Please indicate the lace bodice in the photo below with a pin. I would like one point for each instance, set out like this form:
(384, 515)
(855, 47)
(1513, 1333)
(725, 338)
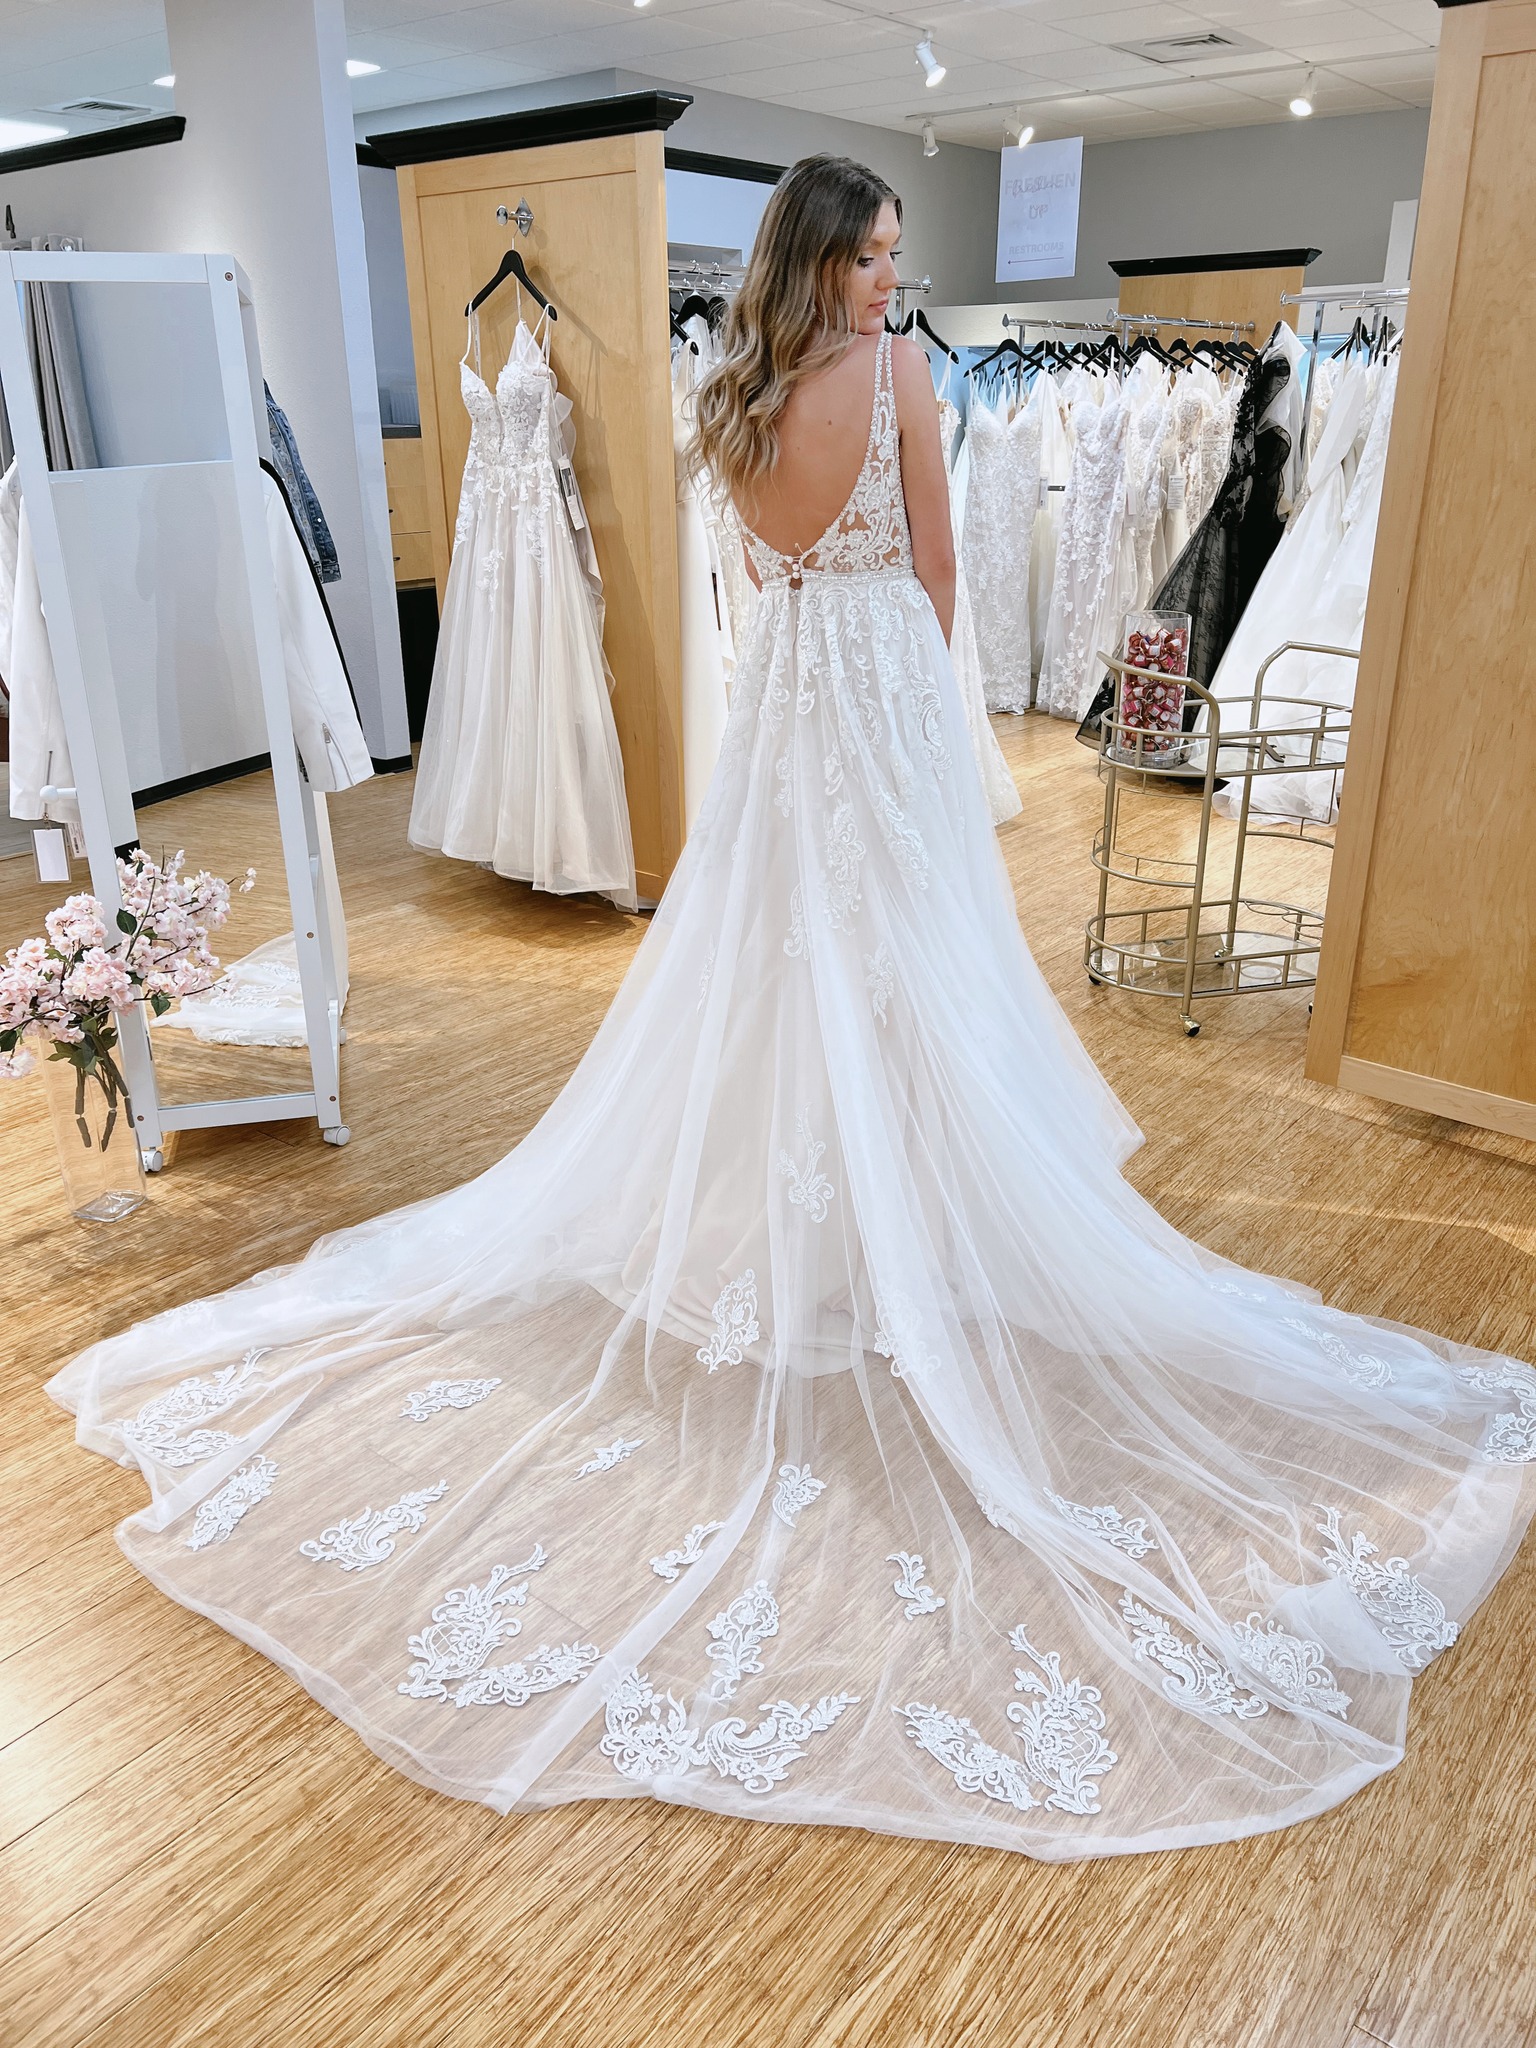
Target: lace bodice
(870, 535)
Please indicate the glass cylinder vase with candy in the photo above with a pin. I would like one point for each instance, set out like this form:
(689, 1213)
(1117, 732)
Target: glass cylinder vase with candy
(1153, 712)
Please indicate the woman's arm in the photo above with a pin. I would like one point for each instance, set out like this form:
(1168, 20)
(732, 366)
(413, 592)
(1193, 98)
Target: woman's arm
(924, 482)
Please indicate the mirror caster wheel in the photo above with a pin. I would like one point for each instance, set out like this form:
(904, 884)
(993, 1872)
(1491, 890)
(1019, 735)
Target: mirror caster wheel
(337, 1135)
(1191, 1028)
(154, 1159)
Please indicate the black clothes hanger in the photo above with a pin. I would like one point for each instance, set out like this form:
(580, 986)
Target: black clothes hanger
(512, 265)
(920, 318)
(694, 306)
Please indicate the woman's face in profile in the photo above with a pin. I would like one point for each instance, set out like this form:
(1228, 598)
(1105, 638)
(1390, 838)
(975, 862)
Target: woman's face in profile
(873, 277)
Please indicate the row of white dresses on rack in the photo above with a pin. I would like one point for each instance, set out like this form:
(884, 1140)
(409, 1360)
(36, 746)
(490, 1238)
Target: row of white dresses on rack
(520, 769)
(1314, 588)
(1079, 499)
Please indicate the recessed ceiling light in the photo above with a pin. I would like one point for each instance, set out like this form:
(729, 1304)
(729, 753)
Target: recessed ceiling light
(930, 140)
(167, 82)
(1301, 106)
(22, 134)
(642, 3)
(359, 67)
(933, 70)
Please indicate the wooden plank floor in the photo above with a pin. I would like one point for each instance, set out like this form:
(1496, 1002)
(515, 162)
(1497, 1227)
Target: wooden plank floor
(192, 1852)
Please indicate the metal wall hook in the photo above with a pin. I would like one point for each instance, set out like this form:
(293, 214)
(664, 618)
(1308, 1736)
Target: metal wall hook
(519, 216)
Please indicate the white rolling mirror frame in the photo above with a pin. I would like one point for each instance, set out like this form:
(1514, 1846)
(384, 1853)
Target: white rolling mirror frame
(89, 700)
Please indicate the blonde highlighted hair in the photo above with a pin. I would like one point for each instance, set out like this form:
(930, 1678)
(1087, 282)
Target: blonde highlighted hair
(790, 318)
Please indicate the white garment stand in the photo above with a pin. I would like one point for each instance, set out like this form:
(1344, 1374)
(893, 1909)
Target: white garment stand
(88, 698)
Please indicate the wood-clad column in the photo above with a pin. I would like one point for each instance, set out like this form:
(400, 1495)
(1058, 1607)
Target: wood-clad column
(598, 247)
(1427, 990)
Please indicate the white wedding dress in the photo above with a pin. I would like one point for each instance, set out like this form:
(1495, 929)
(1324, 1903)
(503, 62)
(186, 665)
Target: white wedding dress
(807, 1420)
(1003, 800)
(1000, 504)
(520, 767)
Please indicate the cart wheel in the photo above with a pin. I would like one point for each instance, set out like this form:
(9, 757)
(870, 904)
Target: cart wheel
(337, 1135)
(1191, 1028)
(154, 1160)
(1097, 979)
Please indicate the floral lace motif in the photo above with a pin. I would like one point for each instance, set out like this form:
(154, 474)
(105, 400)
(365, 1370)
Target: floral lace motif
(649, 1738)
(909, 1586)
(1412, 1619)
(795, 1491)
(845, 861)
(1511, 1440)
(996, 543)
(440, 1394)
(358, 1541)
(903, 843)
(809, 1188)
(1363, 1367)
(1195, 1678)
(870, 534)
(1107, 1523)
(1060, 1729)
(739, 1632)
(1295, 1666)
(797, 945)
(471, 1622)
(604, 1459)
(670, 1564)
(880, 980)
(736, 1327)
(168, 1430)
(222, 1512)
(898, 1337)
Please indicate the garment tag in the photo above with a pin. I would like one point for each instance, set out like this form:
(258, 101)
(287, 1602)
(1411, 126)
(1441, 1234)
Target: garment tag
(1045, 492)
(50, 849)
(572, 496)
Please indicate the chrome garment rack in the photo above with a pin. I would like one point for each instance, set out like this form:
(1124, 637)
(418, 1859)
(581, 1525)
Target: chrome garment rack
(1060, 326)
(1130, 320)
(1349, 298)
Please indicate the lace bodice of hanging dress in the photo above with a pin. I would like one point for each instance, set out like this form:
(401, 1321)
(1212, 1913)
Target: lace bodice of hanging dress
(1002, 796)
(807, 1420)
(520, 767)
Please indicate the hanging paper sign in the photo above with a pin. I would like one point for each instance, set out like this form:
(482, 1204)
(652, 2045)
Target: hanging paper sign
(1037, 210)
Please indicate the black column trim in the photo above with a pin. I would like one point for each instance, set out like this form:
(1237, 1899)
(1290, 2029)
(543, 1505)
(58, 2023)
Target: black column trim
(1235, 259)
(741, 167)
(625, 113)
(100, 142)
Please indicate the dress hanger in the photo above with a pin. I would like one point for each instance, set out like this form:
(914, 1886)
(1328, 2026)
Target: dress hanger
(512, 265)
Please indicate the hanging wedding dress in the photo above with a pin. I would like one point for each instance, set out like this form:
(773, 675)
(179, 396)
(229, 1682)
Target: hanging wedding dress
(1095, 561)
(1000, 502)
(807, 1420)
(520, 767)
(1003, 800)
(1055, 469)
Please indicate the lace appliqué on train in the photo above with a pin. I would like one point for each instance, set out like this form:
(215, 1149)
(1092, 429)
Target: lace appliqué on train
(809, 1188)
(169, 1429)
(1108, 1524)
(358, 1542)
(221, 1513)
(471, 1622)
(1060, 1731)
(910, 1586)
(649, 1738)
(795, 1491)
(1295, 1666)
(735, 1315)
(437, 1395)
(609, 1455)
(1412, 1619)
(738, 1632)
(1511, 1439)
(689, 1551)
(1194, 1677)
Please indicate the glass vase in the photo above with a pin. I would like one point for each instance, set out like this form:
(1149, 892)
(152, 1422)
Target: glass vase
(97, 1142)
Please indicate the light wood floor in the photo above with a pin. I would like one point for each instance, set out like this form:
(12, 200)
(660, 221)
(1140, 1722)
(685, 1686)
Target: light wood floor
(195, 1853)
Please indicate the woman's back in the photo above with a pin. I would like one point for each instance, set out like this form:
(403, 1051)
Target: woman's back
(824, 434)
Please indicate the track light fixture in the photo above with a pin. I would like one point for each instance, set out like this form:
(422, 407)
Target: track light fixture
(1016, 133)
(930, 140)
(933, 70)
(1301, 106)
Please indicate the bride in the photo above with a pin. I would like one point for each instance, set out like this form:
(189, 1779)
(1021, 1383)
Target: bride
(807, 1420)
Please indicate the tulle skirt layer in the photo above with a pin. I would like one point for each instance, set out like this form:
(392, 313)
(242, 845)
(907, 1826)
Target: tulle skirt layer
(807, 1421)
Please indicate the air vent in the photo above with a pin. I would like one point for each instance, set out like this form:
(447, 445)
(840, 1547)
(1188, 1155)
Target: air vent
(100, 107)
(1199, 47)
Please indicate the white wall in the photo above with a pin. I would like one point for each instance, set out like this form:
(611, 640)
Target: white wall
(267, 171)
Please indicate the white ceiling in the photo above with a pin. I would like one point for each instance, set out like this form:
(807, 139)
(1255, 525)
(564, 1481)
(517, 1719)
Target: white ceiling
(1055, 60)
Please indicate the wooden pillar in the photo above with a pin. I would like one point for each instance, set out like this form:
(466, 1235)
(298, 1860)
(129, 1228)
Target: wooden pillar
(594, 177)
(1241, 287)
(1427, 989)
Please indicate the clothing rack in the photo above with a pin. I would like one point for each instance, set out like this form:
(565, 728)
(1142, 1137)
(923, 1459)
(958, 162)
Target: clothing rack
(1348, 298)
(905, 285)
(1130, 320)
(1059, 326)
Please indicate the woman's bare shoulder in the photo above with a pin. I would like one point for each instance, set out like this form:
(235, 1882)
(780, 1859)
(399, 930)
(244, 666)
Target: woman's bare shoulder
(912, 377)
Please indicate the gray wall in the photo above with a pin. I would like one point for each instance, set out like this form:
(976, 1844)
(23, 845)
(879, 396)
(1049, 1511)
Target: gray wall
(1315, 184)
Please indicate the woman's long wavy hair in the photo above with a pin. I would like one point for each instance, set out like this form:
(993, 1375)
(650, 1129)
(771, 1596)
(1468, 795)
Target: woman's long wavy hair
(790, 318)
